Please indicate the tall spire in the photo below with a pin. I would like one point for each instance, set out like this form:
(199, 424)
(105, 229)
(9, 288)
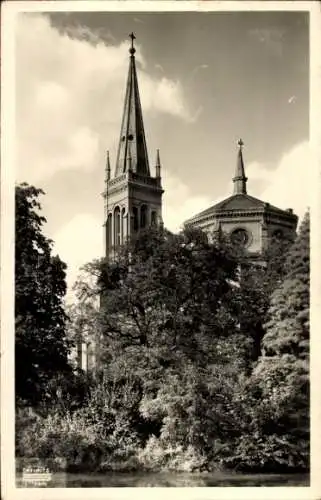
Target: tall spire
(132, 128)
(240, 179)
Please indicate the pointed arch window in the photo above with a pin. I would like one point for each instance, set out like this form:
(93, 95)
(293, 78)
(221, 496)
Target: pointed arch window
(143, 216)
(117, 226)
(135, 218)
(154, 218)
(123, 225)
(109, 231)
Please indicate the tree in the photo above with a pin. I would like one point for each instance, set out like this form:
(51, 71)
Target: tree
(167, 319)
(286, 343)
(279, 393)
(173, 292)
(41, 347)
(256, 287)
(288, 323)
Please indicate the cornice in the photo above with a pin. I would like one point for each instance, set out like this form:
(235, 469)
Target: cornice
(232, 214)
(266, 213)
(146, 187)
(132, 180)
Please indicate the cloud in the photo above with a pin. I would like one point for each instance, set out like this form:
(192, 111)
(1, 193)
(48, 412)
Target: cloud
(265, 35)
(69, 92)
(271, 38)
(291, 184)
(195, 72)
(160, 67)
(165, 96)
(92, 35)
(179, 203)
(78, 242)
(200, 66)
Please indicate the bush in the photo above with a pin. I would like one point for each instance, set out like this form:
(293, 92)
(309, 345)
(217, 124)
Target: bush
(68, 437)
(269, 453)
(83, 444)
(160, 455)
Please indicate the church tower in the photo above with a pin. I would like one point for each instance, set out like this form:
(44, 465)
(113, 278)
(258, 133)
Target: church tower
(133, 197)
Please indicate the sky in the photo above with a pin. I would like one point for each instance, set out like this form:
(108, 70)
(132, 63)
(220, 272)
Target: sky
(206, 79)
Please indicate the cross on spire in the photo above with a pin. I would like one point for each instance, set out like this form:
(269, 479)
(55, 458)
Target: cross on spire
(240, 143)
(132, 49)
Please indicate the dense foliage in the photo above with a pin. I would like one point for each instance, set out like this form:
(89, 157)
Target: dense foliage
(41, 343)
(203, 360)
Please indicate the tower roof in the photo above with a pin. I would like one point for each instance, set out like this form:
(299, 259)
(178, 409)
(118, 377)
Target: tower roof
(132, 142)
(239, 178)
(238, 204)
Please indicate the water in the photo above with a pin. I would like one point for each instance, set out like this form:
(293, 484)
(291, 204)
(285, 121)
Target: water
(168, 479)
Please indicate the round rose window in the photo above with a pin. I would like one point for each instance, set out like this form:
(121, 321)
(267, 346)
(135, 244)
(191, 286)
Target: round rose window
(240, 237)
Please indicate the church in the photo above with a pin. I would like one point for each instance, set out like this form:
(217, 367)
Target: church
(250, 222)
(133, 196)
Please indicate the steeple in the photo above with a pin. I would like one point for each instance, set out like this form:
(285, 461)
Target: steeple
(132, 134)
(133, 198)
(240, 179)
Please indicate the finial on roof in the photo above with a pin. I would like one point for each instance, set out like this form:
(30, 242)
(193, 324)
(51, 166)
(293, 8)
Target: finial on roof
(158, 164)
(240, 179)
(132, 49)
(107, 167)
(129, 158)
